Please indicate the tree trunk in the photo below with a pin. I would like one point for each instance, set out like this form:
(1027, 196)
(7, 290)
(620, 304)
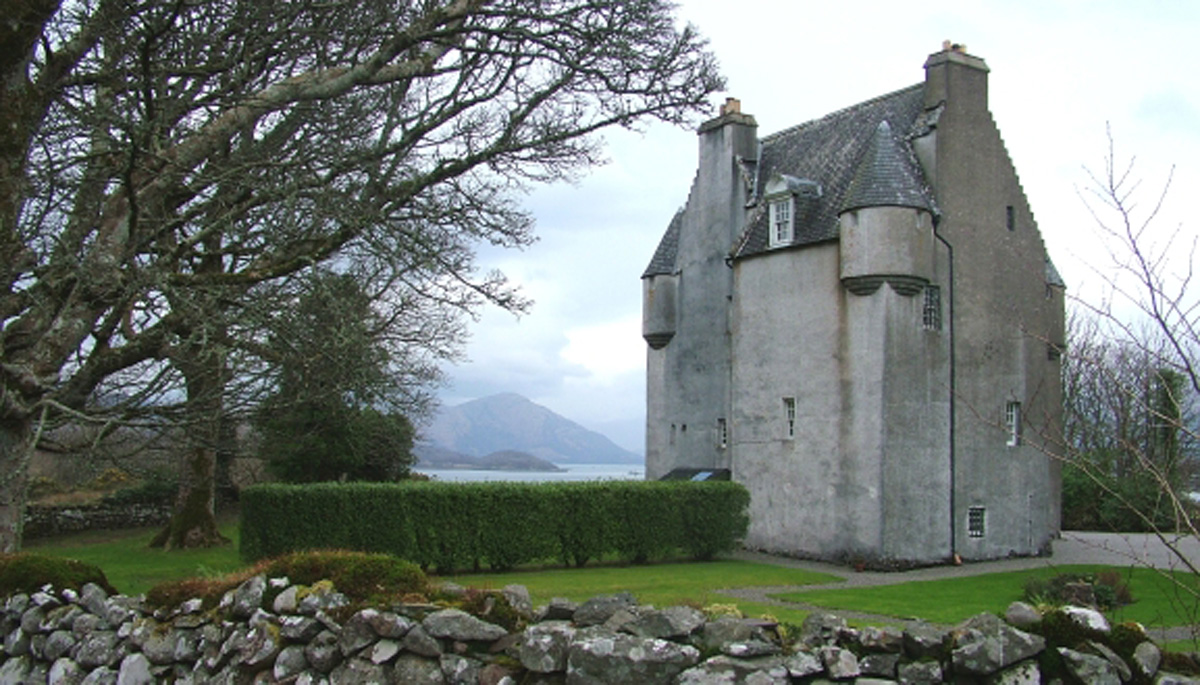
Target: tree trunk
(193, 522)
(14, 477)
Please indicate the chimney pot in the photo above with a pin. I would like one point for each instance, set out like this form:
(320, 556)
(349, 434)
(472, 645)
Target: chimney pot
(731, 106)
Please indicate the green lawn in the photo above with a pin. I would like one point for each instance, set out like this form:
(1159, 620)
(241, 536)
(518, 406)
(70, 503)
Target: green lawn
(952, 600)
(132, 566)
(662, 585)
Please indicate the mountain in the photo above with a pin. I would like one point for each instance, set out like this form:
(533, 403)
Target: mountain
(509, 421)
(432, 456)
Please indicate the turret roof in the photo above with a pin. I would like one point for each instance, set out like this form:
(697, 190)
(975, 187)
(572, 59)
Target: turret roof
(886, 176)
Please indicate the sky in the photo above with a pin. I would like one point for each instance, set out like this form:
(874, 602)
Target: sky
(1063, 74)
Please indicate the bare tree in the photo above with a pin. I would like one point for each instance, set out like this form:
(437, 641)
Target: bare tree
(160, 161)
(1132, 370)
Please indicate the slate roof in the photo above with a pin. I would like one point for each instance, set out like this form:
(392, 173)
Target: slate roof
(663, 261)
(859, 157)
(832, 151)
(886, 177)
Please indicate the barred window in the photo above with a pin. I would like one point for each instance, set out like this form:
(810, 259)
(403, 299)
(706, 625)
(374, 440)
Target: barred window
(1012, 421)
(722, 434)
(976, 518)
(931, 314)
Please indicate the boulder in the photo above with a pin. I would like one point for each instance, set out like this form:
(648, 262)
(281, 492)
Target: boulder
(246, 598)
(291, 662)
(599, 609)
(1022, 615)
(559, 609)
(455, 624)
(919, 673)
(803, 664)
(840, 664)
(419, 642)
(985, 644)
(1094, 670)
(544, 646)
(887, 639)
(519, 599)
(723, 669)
(1147, 657)
(671, 623)
(602, 656)
(923, 641)
(415, 670)
(1023, 673)
(821, 629)
(459, 670)
(358, 671)
(135, 670)
(1087, 618)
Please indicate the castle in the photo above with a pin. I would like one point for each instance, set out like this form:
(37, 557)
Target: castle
(856, 318)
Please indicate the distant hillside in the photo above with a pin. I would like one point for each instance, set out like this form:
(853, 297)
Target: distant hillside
(511, 422)
(432, 456)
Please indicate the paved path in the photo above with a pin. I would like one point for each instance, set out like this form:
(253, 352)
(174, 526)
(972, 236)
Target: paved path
(1071, 548)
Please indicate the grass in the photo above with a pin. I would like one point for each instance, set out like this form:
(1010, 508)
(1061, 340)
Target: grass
(132, 566)
(694, 584)
(952, 600)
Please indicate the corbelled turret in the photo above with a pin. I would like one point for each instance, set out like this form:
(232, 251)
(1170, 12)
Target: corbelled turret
(886, 221)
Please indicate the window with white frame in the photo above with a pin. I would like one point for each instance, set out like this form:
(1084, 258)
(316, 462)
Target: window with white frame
(976, 520)
(931, 313)
(1012, 423)
(781, 221)
(789, 415)
(722, 434)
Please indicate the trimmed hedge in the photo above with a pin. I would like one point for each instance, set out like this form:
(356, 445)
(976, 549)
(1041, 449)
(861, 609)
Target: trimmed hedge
(456, 526)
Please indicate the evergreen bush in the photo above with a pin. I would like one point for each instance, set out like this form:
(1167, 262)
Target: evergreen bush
(459, 526)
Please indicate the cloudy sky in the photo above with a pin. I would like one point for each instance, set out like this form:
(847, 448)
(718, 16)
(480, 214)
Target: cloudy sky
(1061, 72)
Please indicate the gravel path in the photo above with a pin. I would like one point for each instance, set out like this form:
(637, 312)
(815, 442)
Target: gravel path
(1071, 548)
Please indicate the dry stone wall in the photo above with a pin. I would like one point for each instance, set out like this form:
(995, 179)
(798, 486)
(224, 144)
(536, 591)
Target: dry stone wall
(45, 521)
(310, 635)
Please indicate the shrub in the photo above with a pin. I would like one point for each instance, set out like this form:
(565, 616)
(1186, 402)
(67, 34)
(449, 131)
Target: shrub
(29, 572)
(455, 526)
(153, 491)
(364, 578)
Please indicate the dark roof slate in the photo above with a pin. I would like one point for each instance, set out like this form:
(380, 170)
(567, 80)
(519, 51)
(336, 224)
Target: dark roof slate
(829, 151)
(885, 177)
(663, 261)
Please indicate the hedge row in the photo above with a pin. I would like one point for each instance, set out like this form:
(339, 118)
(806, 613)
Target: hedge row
(455, 526)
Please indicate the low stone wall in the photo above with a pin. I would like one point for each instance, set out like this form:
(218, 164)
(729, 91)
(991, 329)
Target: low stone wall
(87, 637)
(44, 521)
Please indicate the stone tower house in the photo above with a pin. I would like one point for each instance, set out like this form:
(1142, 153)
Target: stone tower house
(857, 318)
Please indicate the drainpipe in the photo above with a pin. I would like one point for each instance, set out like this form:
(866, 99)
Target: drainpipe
(953, 388)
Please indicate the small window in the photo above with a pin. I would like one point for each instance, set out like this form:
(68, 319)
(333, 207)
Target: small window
(722, 434)
(781, 221)
(672, 434)
(1012, 422)
(1010, 219)
(789, 415)
(976, 519)
(1054, 352)
(931, 314)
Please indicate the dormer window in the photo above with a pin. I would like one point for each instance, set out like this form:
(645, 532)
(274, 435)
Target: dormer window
(788, 198)
(781, 221)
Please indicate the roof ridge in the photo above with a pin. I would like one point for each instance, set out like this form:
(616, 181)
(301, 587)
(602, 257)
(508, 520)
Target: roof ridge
(841, 112)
